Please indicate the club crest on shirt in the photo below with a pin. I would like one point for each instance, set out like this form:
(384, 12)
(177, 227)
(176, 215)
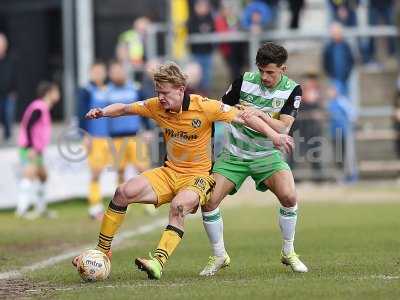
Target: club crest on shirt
(196, 123)
(277, 103)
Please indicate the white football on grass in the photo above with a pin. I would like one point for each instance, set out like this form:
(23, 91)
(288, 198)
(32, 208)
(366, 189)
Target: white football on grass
(94, 265)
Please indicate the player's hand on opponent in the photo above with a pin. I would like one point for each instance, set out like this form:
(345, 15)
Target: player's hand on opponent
(249, 112)
(283, 142)
(95, 113)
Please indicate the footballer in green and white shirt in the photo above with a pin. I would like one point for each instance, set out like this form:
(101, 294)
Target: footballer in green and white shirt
(275, 98)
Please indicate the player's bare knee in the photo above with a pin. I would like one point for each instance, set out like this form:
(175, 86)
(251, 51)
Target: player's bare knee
(288, 199)
(174, 214)
(209, 206)
(120, 198)
(174, 208)
(180, 211)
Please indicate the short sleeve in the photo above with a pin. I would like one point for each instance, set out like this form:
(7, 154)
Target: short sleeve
(232, 95)
(145, 108)
(293, 103)
(217, 111)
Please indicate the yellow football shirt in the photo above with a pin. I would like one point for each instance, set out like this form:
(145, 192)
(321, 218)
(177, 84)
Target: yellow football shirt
(187, 134)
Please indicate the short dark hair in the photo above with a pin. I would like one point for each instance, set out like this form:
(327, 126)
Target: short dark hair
(99, 62)
(44, 87)
(271, 53)
(115, 62)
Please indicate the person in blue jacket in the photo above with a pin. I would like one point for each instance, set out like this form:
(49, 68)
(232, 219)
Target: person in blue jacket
(94, 94)
(127, 148)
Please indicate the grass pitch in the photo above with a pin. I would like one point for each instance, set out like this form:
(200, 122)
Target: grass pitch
(350, 243)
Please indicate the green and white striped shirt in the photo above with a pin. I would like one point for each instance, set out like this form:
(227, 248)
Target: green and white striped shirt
(248, 90)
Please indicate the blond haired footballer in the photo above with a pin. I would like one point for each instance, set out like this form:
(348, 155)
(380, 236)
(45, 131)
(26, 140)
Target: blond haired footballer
(184, 181)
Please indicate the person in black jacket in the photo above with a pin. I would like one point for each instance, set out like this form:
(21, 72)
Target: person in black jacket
(295, 6)
(7, 88)
(396, 118)
(344, 11)
(202, 22)
(380, 12)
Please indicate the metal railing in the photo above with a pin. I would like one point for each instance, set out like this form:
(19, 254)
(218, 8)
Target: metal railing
(255, 40)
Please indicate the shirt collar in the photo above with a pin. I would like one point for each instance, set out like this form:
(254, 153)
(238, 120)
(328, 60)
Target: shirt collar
(185, 104)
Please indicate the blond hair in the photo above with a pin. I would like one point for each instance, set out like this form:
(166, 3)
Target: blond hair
(171, 73)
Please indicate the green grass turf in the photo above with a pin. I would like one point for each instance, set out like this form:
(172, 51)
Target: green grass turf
(27, 241)
(352, 251)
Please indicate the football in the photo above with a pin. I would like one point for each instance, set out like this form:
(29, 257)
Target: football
(94, 265)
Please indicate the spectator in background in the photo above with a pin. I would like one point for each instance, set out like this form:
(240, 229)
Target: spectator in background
(202, 22)
(94, 94)
(131, 47)
(309, 124)
(396, 116)
(128, 148)
(233, 53)
(344, 11)
(7, 88)
(380, 12)
(397, 20)
(274, 7)
(213, 3)
(194, 74)
(338, 60)
(147, 91)
(295, 6)
(34, 137)
(256, 16)
(342, 117)
(147, 84)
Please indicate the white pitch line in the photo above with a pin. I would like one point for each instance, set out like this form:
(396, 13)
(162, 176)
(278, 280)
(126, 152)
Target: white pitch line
(59, 258)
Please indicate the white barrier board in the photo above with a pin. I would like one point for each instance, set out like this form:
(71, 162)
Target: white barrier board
(67, 178)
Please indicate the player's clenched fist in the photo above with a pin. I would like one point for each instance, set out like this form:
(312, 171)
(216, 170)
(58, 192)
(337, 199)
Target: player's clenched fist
(95, 113)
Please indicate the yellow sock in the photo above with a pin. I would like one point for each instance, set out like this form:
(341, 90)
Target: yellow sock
(112, 220)
(94, 193)
(170, 239)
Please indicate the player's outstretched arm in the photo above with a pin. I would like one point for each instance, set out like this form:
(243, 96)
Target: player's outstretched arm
(281, 141)
(112, 111)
